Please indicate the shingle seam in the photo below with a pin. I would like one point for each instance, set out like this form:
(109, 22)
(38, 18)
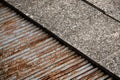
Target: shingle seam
(99, 9)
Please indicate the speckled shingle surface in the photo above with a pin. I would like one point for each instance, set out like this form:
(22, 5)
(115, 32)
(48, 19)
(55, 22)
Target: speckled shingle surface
(84, 27)
(111, 7)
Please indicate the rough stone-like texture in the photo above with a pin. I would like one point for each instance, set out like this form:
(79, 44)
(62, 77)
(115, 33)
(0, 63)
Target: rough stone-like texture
(84, 27)
(111, 7)
(112, 62)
